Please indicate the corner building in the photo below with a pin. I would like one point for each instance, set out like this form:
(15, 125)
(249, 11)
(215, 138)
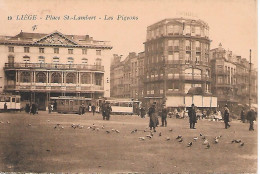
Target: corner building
(176, 60)
(39, 66)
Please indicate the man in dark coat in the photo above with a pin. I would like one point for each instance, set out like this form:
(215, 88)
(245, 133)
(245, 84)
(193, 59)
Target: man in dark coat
(5, 107)
(142, 111)
(103, 110)
(243, 117)
(226, 117)
(251, 118)
(192, 116)
(153, 117)
(93, 108)
(164, 115)
(33, 109)
(108, 111)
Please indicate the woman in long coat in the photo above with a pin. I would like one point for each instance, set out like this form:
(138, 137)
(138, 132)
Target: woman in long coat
(153, 117)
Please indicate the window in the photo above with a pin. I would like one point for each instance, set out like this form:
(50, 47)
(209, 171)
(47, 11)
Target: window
(187, 57)
(41, 59)
(70, 51)
(26, 59)
(176, 44)
(187, 44)
(41, 50)
(187, 30)
(98, 79)
(98, 52)
(11, 49)
(84, 51)
(84, 61)
(56, 77)
(220, 79)
(41, 77)
(86, 78)
(98, 61)
(71, 78)
(176, 56)
(197, 31)
(170, 29)
(26, 49)
(170, 42)
(198, 58)
(197, 46)
(56, 60)
(10, 59)
(70, 60)
(176, 29)
(25, 77)
(56, 50)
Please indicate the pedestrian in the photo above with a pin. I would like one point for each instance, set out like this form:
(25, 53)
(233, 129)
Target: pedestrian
(93, 108)
(153, 117)
(226, 117)
(80, 110)
(83, 109)
(164, 116)
(5, 107)
(142, 111)
(49, 108)
(243, 117)
(103, 110)
(108, 111)
(192, 116)
(33, 109)
(251, 117)
(27, 108)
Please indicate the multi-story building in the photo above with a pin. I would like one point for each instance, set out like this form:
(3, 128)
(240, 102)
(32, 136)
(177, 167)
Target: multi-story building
(176, 60)
(126, 76)
(230, 77)
(38, 66)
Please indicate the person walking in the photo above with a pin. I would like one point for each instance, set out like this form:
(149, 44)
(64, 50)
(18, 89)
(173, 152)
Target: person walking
(164, 116)
(153, 117)
(49, 108)
(93, 109)
(142, 111)
(251, 118)
(243, 117)
(5, 107)
(108, 111)
(33, 109)
(226, 117)
(192, 117)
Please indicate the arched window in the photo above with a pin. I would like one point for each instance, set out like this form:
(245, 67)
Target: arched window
(70, 78)
(56, 77)
(41, 59)
(25, 77)
(85, 78)
(10, 59)
(84, 61)
(40, 77)
(56, 60)
(70, 60)
(26, 59)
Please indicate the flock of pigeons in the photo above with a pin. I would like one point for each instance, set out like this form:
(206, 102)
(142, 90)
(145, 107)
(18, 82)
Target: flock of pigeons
(179, 138)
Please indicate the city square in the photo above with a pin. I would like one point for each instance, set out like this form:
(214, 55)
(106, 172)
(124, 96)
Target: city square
(35, 143)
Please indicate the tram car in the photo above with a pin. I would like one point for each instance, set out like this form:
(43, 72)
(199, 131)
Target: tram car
(70, 104)
(13, 102)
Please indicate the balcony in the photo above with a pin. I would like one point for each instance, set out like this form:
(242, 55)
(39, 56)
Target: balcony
(52, 66)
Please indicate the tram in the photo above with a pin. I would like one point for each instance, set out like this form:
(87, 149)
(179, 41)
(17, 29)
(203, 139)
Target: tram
(69, 104)
(12, 102)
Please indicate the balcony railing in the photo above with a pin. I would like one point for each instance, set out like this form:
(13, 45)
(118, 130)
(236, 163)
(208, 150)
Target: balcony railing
(53, 66)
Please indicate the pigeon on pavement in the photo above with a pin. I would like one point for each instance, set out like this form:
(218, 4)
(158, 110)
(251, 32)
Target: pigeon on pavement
(190, 144)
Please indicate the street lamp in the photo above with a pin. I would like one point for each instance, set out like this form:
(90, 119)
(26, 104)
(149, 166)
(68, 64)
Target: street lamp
(164, 79)
(250, 66)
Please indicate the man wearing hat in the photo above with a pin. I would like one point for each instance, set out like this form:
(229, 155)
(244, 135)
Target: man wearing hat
(153, 117)
(251, 118)
(192, 116)
(226, 117)
(164, 115)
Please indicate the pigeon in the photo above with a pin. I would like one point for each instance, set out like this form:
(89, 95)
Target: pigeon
(48, 120)
(238, 141)
(160, 134)
(48, 150)
(170, 130)
(195, 138)
(97, 129)
(112, 130)
(205, 142)
(62, 127)
(1, 122)
(208, 146)
(168, 138)
(81, 127)
(233, 141)
(117, 131)
(144, 130)
(180, 140)
(242, 144)
(89, 127)
(200, 134)
(103, 127)
(216, 141)
(134, 131)
(55, 127)
(179, 136)
(29, 125)
(149, 136)
(141, 138)
(190, 144)
(8, 122)
(107, 131)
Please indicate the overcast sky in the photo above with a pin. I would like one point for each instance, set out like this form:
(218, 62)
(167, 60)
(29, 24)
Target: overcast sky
(231, 22)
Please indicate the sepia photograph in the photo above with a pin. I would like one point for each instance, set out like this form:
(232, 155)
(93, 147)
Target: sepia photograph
(129, 86)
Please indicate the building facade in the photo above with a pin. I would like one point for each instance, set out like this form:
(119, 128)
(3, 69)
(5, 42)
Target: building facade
(127, 76)
(176, 59)
(39, 66)
(230, 78)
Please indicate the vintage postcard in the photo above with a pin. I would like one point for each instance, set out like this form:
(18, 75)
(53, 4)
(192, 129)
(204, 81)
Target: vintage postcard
(129, 86)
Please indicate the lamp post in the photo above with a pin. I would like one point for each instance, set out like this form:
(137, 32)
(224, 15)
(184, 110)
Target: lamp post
(164, 79)
(250, 66)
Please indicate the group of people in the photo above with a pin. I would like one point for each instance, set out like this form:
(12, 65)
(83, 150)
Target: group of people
(33, 109)
(83, 109)
(106, 111)
(154, 122)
